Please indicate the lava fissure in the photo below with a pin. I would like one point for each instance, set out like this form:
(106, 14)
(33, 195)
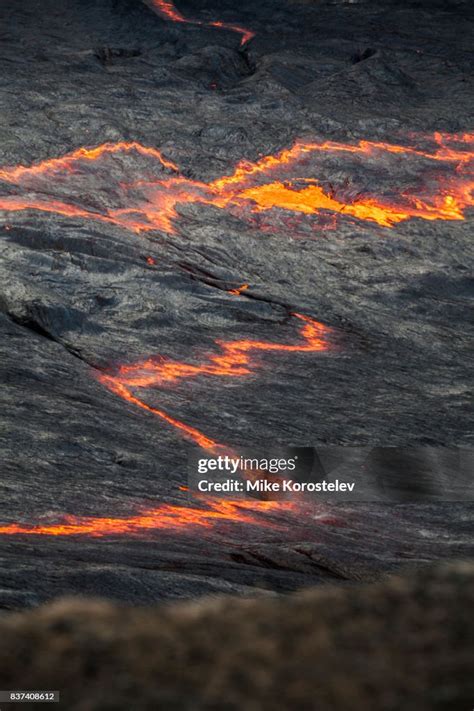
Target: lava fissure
(169, 11)
(236, 359)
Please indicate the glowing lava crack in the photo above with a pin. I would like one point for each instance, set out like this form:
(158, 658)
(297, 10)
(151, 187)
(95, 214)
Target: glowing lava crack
(286, 182)
(162, 517)
(235, 360)
(170, 12)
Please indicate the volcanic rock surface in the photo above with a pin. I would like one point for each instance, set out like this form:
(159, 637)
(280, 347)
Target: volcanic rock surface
(142, 252)
(405, 643)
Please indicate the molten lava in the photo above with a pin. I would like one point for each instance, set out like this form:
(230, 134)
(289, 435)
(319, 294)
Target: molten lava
(163, 517)
(69, 162)
(170, 12)
(285, 181)
(236, 359)
(239, 290)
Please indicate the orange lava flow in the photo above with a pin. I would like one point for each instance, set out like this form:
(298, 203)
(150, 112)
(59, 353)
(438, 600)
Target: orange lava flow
(301, 150)
(311, 199)
(69, 161)
(191, 433)
(239, 290)
(236, 359)
(163, 517)
(449, 203)
(285, 181)
(168, 10)
(42, 204)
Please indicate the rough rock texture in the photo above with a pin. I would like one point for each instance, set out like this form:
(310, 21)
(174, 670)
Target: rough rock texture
(78, 295)
(402, 644)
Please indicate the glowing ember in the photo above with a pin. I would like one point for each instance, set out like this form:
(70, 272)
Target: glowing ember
(236, 359)
(168, 10)
(285, 181)
(163, 517)
(240, 290)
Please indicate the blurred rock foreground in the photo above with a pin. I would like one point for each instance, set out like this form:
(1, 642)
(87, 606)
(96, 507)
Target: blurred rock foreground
(405, 643)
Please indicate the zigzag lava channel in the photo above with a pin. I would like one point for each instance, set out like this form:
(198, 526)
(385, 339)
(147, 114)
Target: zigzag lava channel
(444, 192)
(168, 10)
(236, 359)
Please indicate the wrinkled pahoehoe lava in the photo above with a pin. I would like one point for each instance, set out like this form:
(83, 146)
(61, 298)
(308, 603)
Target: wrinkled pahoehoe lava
(226, 225)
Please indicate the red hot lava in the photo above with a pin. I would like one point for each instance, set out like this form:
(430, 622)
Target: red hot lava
(235, 360)
(168, 10)
(260, 187)
(238, 290)
(285, 181)
(165, 517)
